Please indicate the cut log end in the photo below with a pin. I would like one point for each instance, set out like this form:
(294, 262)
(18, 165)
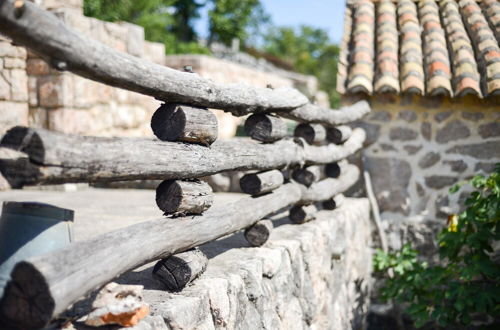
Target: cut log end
(179, 270)
(184, 197)
(332, 170)
(259, 233)
(265, 128)
(261, 183)
(27, 302)
(308, 175)
(302, 214)
(173, 122)
(338, 135)
(312, 133)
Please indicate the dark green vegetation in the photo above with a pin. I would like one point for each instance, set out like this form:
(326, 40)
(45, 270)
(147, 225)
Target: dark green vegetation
(304, 49)
(465, 285)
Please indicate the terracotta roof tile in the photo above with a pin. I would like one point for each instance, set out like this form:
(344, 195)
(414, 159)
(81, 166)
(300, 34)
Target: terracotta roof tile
(428, 47)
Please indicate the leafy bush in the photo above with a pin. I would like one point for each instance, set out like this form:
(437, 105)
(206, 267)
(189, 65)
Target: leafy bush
(466, 282)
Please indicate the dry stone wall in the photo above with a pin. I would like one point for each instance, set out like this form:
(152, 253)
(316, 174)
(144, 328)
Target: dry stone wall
(417, 148)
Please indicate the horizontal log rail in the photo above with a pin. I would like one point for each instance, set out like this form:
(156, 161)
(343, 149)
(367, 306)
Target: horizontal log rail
(49, 157)
(60, 278)
(66, 49)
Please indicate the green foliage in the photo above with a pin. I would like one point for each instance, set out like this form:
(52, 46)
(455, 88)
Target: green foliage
(231, 19)
(166, 21)
(310, 51)
(467, 280)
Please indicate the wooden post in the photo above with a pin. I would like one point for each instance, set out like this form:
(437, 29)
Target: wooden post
(259, 233)
(308, 175)
(265, 128)
(177, 271)
(302, 214)
(312, 133)
(174, 122)
(261, 183)
(332, 170)
(181, 197)
(43, 287)
(339, 134)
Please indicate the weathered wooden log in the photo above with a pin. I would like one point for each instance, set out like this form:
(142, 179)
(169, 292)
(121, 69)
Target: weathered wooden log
(218, 182)
(177, 271)
(339, 134)
(327, 188)
(44, 286)
(333, 203)
(265, 128)
(174, 122)
(308, 175)
(312, 133)
(51, 157)
(313, 114)
(302, 213)
(180, 197)
(261, 183)
(259, 233)
(332, 170)
(59, 44)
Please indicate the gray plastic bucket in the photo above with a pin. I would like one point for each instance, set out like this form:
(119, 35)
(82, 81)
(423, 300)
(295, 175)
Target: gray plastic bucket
(29, 229)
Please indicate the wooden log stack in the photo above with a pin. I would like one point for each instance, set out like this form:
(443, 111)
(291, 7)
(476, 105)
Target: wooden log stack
(185, 150)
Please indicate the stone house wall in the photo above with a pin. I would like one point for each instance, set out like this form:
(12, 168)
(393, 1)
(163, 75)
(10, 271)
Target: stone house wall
(417, 148)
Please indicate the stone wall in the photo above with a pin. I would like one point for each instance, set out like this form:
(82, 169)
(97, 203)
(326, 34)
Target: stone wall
(418, 148)
(310, 276)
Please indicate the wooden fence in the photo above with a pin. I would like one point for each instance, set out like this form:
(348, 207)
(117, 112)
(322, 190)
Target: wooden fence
(298, 172)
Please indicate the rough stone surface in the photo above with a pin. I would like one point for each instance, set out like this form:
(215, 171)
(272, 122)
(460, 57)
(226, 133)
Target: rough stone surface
(454, 130)
(387, 147)
(442, 116)
(382, 116)
(473, 116)
(408, 115)
(456, 165)
(390, 181)
(489, 130)
(372, 131)
(402, 134)
(485, 167)
(440, 181)
(484, 150)
(441, 206)
(429, 159)
(425, 130)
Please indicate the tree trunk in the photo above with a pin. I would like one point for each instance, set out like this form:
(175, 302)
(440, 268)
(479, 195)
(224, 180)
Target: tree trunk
(261, 183)
(177, 271)
(265, 128)
(259, 233)
(174, 122)
(184, 197)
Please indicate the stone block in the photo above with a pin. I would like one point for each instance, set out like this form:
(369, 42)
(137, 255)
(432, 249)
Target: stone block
(154, 52)
(69, 120)
(489, 130)
(402, 134)
(12, 114)
(442, 116)
(485, 150)
(425, 130)
(382, 116)
(473, 116)
(454, 130)
(56, 91)
(408, 116)
(485, 167)
(440, 181)
(56, 4)
(19, 85)
(38, 117)
(372, 132)
(14, 63)
(4, 85)
(134, 39)
(456, 165)
(37, 67)
(32, 91)
(429, 159)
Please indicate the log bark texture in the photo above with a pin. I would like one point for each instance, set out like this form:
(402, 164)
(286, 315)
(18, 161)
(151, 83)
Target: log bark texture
(51, 157)
(265, 128)
(261, 183)
(312, 133)
(259, 233)
(311, 113)
(174, 122)
(177, 271)
(302, 213)
(58, 279)
(327, 188)
(180, 197)
(50, 38)
(339, 134)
